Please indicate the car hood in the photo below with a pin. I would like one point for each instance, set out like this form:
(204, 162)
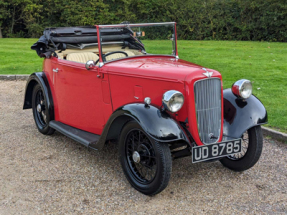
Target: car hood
(160, 67)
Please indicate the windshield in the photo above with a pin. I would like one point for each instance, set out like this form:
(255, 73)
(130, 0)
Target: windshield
(148, 39)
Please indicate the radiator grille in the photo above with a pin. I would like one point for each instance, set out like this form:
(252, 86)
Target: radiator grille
(208, 109)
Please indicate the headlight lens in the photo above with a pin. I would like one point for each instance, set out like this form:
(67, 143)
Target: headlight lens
(173, 100)
(242, 88)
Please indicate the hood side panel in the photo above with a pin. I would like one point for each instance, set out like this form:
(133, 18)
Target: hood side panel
(135, 89)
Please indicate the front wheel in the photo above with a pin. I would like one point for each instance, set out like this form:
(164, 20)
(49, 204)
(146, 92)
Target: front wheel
(146, 164)
(252, 144)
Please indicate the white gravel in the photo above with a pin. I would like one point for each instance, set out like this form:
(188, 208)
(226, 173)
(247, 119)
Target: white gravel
(55, 175)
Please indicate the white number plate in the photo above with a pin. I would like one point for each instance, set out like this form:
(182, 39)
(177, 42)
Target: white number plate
(215, 150)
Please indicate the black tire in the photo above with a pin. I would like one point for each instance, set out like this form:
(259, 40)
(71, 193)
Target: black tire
(250, 156)
(154, 156)
(41, 118)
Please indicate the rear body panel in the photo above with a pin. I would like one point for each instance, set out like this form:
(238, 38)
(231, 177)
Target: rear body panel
(81, 99)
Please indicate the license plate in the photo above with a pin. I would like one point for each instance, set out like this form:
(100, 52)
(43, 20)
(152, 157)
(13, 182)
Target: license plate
(216, 150)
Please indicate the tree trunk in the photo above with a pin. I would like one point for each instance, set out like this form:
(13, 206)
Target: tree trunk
(13, 21)
(1, 33)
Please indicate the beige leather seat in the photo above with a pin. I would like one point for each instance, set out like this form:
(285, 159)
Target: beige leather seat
(82, 57)
(129, 53)
(119, 55)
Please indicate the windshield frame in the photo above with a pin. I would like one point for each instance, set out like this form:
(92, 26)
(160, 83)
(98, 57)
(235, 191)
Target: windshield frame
(101, 58)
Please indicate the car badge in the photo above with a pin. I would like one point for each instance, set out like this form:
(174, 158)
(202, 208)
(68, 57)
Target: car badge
(207, 74)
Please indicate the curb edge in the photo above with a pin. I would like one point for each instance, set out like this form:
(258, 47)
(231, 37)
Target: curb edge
(274, 134)
(14, 77)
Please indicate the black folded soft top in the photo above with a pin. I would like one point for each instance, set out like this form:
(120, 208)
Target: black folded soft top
(61, 38)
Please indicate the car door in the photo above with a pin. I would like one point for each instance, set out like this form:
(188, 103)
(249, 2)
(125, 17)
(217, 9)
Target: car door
(79, 96)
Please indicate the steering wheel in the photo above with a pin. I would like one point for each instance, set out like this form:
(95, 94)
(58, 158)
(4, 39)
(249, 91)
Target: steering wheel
(105, 55)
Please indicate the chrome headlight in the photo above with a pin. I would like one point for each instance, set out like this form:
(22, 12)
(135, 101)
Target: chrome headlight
(173, 100)
(242, 88)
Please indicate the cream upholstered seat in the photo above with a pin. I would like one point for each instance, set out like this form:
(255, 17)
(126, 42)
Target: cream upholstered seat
(119, 55)
(82, 57)
(129, 53)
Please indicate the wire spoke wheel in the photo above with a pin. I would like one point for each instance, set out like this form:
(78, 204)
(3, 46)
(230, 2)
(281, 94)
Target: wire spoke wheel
(252, 144)
(245, 144)
(146, 163)
(141, 156)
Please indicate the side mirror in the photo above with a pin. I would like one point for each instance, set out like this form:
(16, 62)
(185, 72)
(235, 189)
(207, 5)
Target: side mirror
(90, 64)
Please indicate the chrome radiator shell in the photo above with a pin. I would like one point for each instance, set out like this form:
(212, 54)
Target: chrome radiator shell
(208, 107)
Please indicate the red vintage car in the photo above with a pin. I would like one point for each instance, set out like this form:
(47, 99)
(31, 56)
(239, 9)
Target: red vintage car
(123, 83)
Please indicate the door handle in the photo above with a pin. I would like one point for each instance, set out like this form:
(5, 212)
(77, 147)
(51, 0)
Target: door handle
(55, 70)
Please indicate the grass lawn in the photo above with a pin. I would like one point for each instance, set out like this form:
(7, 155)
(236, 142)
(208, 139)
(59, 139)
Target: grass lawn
(263, 63)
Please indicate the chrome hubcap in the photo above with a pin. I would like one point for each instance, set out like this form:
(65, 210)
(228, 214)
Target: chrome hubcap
(136, 157)
(39, 108)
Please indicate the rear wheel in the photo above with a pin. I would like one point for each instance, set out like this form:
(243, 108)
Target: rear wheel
(251, 151)
(40, 111)
(147, 164)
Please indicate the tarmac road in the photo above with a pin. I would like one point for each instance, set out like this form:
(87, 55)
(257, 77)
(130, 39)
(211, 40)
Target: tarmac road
(55, 175)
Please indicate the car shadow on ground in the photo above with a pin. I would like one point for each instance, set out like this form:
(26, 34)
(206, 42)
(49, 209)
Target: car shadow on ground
(107, 161)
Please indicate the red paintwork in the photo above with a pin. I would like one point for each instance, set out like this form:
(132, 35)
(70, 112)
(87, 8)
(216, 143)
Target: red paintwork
(78, 95)
(235, 89)
(84, 101)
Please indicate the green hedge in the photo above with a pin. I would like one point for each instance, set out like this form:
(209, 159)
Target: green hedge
(197, 19)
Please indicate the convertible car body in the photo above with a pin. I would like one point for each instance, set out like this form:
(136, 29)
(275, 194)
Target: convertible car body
(102, 84)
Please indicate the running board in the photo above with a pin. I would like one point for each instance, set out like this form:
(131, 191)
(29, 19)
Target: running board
(83, 137)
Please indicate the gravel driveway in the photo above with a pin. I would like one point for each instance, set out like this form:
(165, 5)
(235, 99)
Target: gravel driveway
(55, 175)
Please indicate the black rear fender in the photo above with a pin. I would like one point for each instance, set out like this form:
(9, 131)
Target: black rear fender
(34, 79)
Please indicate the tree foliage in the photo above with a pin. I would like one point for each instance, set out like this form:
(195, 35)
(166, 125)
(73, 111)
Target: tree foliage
(196, 19)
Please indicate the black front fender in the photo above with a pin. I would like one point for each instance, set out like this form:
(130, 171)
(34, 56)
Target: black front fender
(38, 78)
(157, 124)
(240, 115)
